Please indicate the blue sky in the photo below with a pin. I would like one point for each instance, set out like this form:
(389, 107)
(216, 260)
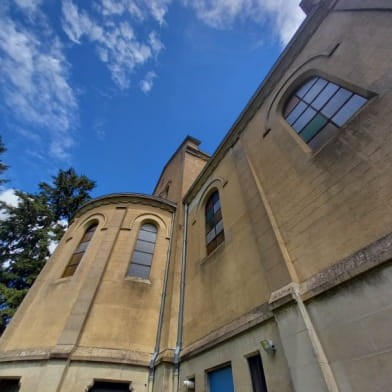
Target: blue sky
(112, 87)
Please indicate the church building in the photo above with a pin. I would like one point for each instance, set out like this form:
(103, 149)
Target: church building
(265, 267)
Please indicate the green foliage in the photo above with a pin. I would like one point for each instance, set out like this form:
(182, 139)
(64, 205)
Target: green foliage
(68, 192)
(27, 231)
(3, 167)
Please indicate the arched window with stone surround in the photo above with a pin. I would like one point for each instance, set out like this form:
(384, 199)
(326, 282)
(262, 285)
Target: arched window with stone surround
(79, 251)
(143, 252)
(318, 108)
(214, 223)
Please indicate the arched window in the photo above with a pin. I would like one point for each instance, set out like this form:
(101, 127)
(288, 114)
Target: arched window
(141, 260)
(318, 108)
(79, 252)
(214, 223)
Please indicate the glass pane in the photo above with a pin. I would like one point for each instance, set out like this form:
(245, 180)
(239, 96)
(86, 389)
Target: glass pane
(304, 89)
(149, 227)
(88, 236)
(217, 217)
(210, 225)
(82, 247)
(69, 271)
(145, 246)
(210, 236)
(217, 206)
(210, 215)
(147, 236)
(211, 246)
(91, 229)
(220, 238)
(327, 93)
(355, 102)
(336, 102)
(304, 119)
(313, 127)
(215, 196)
(323, 136)
(314, 91)
(141, 271)
(290, 105)
(141, 258)
(75, 259)
(296, 112)
(219, 227)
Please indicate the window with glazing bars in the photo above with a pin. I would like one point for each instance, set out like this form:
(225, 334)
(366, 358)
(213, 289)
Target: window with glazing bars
(318, 108)
(79, 252)
(214, 223)
(142, 255)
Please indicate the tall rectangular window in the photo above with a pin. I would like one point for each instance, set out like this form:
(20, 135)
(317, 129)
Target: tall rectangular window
(214, 223)
(143, 253)
(257, 373)
(79, 251)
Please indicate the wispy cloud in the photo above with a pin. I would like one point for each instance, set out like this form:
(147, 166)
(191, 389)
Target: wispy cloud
(34, 77)
(282, 15)
(148, 81)
(116, 42)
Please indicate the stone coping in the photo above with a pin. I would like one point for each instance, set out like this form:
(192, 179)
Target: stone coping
(126, 198)
(85, 354)
(370, 257)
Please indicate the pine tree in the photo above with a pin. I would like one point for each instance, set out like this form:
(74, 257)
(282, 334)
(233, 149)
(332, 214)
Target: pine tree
(3, 167)
(29, 229)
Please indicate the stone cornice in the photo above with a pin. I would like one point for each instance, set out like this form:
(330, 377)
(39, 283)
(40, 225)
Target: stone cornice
(126, 198)
(85, 354)
(347, 269)
(292, 50)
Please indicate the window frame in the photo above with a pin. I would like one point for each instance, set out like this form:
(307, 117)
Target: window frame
(213, 215)
(143, 253)
(80, 250)
(321, 135)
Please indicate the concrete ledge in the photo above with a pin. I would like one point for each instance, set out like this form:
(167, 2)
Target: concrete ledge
(372, 256)
(249, 320)
(85, 354)
(365, 259)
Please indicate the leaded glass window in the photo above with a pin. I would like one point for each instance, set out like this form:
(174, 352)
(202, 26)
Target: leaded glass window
(79, 251)
(214, 223)
(318, 108)
(143, 253)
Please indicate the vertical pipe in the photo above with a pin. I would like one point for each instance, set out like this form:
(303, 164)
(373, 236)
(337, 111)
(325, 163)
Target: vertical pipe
(181, 305)
(162, 308)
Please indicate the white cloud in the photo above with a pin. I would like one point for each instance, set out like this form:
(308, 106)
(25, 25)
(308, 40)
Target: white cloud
(34, 79)
(8, 196)
(148, 81)
(116, 42)
(283, 15)
(28, 5)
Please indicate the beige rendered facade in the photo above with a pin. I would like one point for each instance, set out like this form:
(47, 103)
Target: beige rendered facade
(271, 262)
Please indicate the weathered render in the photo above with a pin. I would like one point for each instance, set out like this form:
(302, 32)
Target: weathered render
(304, 262)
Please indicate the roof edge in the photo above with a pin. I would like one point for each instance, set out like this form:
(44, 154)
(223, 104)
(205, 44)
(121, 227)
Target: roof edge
(293, 48)
(188, 138)
(133, 198)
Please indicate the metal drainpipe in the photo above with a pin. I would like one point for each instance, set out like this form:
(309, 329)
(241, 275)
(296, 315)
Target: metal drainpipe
(162, 308)
(181, 306)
